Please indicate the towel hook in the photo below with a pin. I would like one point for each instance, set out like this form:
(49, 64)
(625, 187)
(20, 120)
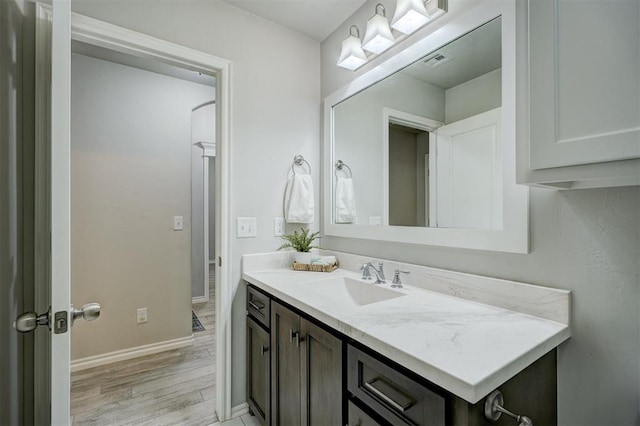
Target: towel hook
(339, 166)
(299, 160)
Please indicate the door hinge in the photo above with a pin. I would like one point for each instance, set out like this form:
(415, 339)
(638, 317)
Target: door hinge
(219, 261)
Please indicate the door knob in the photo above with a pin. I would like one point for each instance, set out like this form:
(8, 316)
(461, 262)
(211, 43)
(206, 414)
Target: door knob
(88, 312)
(29, 321)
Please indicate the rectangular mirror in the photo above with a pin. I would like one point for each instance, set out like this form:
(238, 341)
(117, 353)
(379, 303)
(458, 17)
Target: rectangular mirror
(422, 148)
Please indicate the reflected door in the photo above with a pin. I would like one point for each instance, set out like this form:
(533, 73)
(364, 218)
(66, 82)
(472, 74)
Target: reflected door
(469, 174)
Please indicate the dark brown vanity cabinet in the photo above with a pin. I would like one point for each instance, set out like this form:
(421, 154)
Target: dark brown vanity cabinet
(258, 371)
(306, 366)
(390, 394)
(258, 355)
(299, 373)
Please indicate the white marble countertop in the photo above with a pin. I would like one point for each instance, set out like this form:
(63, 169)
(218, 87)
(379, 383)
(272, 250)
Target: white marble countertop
(466, 347)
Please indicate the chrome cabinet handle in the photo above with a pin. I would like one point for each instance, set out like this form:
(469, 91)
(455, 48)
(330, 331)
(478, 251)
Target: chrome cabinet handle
(386, 398)
(295, 335)
(257, 306)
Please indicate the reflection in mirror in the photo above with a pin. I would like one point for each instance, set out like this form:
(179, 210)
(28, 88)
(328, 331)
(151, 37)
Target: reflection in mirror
(424, 145)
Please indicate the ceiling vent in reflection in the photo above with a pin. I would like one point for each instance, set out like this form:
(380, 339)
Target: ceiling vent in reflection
(437, 60)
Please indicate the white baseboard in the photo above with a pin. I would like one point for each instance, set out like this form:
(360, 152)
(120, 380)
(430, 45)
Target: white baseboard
(124, 354)
(239, 410)
(236, 411)
(199, 299)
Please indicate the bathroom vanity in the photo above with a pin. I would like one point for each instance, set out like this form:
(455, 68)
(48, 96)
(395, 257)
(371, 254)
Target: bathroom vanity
(327, 349)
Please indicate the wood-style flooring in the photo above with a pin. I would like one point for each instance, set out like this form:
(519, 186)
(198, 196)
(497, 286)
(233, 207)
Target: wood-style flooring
(169, 388)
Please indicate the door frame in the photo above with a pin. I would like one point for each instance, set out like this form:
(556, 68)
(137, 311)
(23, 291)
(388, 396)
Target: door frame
(102, 34)
(394, 116)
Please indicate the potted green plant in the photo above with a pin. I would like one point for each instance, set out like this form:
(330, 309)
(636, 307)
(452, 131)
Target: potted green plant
(301, 242)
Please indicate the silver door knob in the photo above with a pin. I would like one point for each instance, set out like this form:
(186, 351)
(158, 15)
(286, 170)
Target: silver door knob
(29, 321)
(89, 312)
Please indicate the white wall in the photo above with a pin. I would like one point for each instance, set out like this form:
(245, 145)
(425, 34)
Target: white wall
(130, 174)
(586, 241)
(275, 113)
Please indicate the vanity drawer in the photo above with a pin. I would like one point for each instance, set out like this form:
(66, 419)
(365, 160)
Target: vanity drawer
(394, 396)
(358, 417)
(259, 305)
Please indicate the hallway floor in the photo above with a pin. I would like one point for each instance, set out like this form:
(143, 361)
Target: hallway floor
(168, 388)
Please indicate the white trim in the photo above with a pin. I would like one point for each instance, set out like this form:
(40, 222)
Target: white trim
(236, 411)
(200, 299)
(239, 410)
(112, 37)
(208, 152)
(130, 353)
(514, 236)
(61, 207)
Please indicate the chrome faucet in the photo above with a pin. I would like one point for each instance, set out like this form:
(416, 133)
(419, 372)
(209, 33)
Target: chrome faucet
(368, 268)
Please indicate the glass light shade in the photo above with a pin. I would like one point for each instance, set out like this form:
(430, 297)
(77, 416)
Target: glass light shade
(409, 16)
(352, 56)
(378, 37)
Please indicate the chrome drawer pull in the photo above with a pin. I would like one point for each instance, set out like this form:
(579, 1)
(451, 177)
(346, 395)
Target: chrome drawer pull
(386, 398)
(257, 306)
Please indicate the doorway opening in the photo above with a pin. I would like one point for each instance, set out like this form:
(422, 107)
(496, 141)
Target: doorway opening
(135, 236)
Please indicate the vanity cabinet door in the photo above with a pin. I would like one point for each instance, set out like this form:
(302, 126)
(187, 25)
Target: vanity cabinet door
(285, 366)
(258, 371)
(321, 367)
(583, 89)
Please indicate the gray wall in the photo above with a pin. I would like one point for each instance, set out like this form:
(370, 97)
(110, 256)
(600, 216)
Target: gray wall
(586, 241)
(130, 175)
(275, 114)
(16, 208)
(473, 97)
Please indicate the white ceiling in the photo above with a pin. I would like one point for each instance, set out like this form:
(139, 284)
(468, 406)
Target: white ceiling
(315, 18)
(470, 56)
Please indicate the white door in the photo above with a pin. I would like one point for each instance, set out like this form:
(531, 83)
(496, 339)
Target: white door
(60, 209)
(468, 170)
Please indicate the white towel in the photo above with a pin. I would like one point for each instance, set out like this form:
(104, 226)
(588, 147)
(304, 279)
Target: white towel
(298, 199)
(345, 201)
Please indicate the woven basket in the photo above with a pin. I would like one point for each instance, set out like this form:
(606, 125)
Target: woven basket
(315, 268)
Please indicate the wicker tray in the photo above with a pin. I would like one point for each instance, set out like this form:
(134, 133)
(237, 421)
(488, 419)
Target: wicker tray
(315, 268)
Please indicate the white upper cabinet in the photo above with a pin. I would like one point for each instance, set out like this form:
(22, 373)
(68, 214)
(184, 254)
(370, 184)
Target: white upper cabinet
(582, 129)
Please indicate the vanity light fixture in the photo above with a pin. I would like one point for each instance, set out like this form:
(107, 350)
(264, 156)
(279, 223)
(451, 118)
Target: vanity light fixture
(352, 56)
(409, 16)
(378, 37)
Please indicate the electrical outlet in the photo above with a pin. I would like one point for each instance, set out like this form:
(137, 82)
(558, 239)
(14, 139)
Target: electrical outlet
(141, 315)
(247, 227)
(278, 226)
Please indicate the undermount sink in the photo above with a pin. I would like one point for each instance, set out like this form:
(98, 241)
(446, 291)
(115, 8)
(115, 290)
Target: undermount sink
(354, 292)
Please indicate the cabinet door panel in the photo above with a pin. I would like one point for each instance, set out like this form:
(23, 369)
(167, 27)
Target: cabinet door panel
(584, 82)
(258, 371)
(321, 366)
(285, 366)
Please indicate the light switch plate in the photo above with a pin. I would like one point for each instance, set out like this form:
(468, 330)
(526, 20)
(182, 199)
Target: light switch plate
(178, 223)
(247, 227)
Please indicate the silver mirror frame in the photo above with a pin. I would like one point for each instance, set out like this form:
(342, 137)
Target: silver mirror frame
(514, 235)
